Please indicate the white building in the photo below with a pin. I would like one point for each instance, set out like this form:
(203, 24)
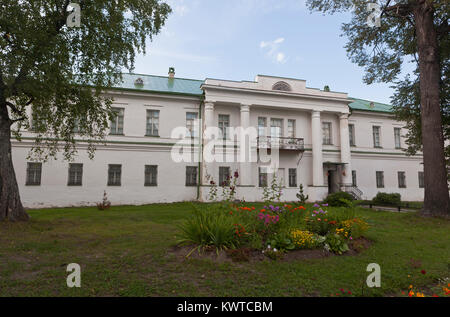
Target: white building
(326, 141)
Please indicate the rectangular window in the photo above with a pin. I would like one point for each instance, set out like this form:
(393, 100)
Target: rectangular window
(114, 174)
(35, 125)
(75, 174)
(380, 179)
(376, 136)
(224, 124)
(224, 175)
(401, 179)
(292, 177)
(152, 123)
(117, 121)
(262, 177)
(397, 132)
(354, 182)
(276, 128)
(351, 134)
(291, 128)
(76, 126)
(191, 175)
(34, 171)
(421, 180)
(191, 126)
(262, 124)
(326, 130)
(151, 175)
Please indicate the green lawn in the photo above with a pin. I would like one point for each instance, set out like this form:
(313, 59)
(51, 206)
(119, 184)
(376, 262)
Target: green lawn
(123, 252)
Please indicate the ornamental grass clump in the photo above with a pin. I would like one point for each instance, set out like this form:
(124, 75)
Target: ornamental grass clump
(209, 227)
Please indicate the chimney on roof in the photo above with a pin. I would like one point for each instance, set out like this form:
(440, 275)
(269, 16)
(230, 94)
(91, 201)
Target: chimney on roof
(171, 72)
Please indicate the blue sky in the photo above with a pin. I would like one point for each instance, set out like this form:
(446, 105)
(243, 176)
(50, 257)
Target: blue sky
(239, 39)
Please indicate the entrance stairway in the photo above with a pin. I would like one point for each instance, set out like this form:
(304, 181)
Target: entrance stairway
(352, 190)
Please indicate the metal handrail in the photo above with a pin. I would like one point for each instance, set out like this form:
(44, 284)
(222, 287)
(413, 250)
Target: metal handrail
(269, 141)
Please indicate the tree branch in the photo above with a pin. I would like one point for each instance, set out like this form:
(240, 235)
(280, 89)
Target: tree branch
(59, 23)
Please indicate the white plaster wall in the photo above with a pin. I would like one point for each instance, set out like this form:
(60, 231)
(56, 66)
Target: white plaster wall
(54, 192)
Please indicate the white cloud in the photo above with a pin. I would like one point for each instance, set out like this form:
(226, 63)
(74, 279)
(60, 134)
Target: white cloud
(274, 50)
(281, 58)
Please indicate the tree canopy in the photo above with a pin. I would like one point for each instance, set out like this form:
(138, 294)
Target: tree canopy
(384, 36)
(60, 69)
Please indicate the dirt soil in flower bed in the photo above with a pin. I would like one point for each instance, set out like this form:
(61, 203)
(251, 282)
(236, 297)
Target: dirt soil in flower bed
(248, 255)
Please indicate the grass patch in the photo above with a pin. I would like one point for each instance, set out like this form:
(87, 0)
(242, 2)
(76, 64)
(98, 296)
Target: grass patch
(123, 252)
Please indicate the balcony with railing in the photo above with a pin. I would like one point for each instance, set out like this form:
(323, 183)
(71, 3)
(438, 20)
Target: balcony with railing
(282, 143)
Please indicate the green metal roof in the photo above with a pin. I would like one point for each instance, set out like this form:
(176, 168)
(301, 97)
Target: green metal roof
(160, 84)
(366, 105)
(183, 86)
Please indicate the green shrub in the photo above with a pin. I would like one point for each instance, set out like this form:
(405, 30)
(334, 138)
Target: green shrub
(339, 199)
(393, 199)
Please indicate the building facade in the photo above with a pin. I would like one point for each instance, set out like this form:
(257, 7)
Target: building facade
(324, 140)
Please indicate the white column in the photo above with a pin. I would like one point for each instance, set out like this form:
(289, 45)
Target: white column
(207, 167)
(317, 149)
(245, 148)
(209, 114)
(345, 149)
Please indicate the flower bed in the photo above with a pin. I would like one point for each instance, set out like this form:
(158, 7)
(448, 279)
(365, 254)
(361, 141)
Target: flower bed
(273, 230)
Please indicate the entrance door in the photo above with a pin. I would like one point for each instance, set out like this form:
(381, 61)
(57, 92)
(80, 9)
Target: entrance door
(332, 185)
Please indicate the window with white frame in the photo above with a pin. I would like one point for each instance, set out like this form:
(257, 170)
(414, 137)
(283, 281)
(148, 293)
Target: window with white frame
(224, 175)
(380, 179)
(34, 171)
(376, 131)
(326, 130)
(276, 128)
(421, 180)
(397, 138)
(262, 125)
(401, 179)
(262, 177)
(191, 175)
(351, 134)
(117, 121)
(151, 175)
(292, 177)
(224, 125)
(291, 128)
(75, 174)
(354, 181)
(114, 174)
(191, 126)
(152, 123)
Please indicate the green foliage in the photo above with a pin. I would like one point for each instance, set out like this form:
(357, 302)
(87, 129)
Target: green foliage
(387, 199)
(340, 199)
(61, 71)
(335, 243)
(274, 192)
(281, 241)
(209, 227)
(301, 196)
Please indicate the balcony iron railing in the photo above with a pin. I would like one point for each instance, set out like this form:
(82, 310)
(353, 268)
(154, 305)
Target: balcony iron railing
(283, 143)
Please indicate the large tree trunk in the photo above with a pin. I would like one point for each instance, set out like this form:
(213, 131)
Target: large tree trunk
(437, 200)
(10, 205)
